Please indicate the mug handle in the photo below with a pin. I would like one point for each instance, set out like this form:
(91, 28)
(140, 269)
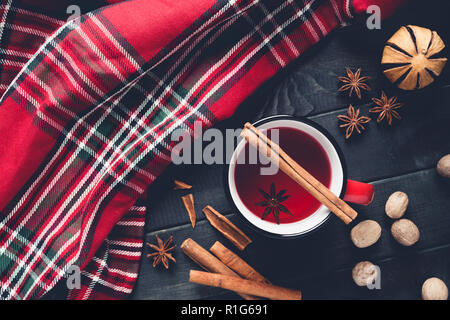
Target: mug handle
(359, 192)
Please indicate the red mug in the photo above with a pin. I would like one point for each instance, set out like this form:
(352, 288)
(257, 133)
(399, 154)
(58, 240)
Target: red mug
(349, 190)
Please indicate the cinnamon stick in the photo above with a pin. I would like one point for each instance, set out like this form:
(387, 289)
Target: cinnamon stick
(180, 185)
(188, 201)
(235, 263)
(244, 286)
(207, 261)
(336, 205)
(228, 229)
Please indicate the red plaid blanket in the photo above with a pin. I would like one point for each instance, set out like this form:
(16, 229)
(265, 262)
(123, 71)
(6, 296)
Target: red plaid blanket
(87, 110)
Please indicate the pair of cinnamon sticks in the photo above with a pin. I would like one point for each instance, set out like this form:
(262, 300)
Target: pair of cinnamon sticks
(296, 172)
(229, 271)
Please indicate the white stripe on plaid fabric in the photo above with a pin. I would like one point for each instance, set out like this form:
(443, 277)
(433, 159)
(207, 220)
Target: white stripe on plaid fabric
(178, 123)
(99, 53)
(95, 278)
(232, 72)
(31, 13)
(114, 41)
(91, 220)
(44, 257)
(117, 275)
(27, 30)
(50, 265)
(6, 9)
(70, 133)
(11, 63)
(131, 223)
(38, 253)
(117, 271)
(288, 41)
(122, 273)
(258, 30)
(26, 219)
(336, 11)
(85, 148)
(125, 252)
(347, 8)
(319, 23)
(106, 283)
(16, 53)
(25, 68)
(125, 243)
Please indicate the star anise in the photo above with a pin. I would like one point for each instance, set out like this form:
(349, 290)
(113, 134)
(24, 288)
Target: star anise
(162, 252)
(386, 108)
(352, 121)
(354, 83)
(272, 203)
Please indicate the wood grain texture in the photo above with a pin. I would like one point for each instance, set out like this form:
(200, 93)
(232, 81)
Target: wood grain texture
(292, 262)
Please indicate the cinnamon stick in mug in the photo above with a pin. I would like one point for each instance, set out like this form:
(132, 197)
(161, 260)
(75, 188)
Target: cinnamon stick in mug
(244, 286)
(296, 172)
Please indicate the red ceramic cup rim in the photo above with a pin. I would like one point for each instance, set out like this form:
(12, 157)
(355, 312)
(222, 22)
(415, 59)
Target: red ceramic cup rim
(337, 184)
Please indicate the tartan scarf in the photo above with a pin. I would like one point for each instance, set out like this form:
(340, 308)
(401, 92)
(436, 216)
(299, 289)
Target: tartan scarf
(88, 106)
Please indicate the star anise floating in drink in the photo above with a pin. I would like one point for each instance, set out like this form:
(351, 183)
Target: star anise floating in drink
(354, 83)
(352, 121)
(162, 254)
(386, 107)
(272, 203)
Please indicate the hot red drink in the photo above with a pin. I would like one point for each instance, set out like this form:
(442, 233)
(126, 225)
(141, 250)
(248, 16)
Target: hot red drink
(277, 198)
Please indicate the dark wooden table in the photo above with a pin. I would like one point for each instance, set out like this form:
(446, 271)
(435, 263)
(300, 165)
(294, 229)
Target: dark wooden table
(401, 157)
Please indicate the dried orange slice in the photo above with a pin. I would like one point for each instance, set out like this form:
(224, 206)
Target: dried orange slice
(413, 57)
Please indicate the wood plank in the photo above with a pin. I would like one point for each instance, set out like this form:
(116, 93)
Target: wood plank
(401, 278)
(326, 250)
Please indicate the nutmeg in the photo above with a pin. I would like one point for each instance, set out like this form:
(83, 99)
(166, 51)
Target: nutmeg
(434, 289)
(396, 204)
(443, 166)
(405, 232)
(365, 233)
(364, 273)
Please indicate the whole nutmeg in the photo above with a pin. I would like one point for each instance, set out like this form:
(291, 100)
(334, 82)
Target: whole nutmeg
(365, 233)
(396, 204)
(364, 273)
(443, 166)
(405, 232)
(434, 289)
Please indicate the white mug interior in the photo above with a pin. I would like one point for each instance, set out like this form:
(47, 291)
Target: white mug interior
(321, 214)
